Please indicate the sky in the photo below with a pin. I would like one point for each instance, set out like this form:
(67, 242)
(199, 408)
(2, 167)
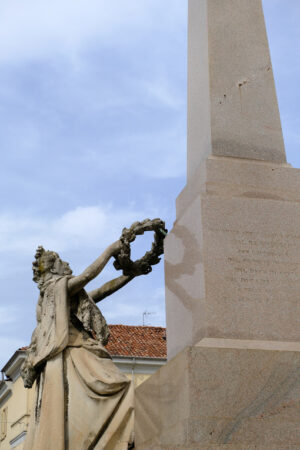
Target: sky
(93, 138)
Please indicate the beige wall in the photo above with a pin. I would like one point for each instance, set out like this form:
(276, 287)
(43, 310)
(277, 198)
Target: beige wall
(17, 414)
(138, 378)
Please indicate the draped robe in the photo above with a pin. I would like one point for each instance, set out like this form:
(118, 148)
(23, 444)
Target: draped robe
(82, 400)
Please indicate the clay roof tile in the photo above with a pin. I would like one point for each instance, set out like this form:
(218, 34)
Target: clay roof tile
(135, 341)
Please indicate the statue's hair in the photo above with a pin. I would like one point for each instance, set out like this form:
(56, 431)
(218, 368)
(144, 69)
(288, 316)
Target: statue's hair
(40, 256)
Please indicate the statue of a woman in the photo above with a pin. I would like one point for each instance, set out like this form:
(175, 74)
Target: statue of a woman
(82, 400)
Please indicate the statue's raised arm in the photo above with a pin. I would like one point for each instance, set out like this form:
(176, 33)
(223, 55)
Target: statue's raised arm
(123, 261)
(77, 283)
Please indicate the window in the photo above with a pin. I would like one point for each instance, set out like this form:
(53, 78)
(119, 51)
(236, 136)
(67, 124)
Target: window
(3, 423)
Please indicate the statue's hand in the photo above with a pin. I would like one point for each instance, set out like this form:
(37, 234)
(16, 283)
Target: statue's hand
(29, 374)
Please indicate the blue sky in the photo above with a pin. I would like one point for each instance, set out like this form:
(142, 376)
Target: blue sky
(93, 137)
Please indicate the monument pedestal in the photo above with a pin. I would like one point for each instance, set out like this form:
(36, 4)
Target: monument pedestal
(223, 393)
(232, 259)
(232, 265)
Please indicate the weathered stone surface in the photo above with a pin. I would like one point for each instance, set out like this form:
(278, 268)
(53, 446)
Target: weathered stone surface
(82, 400)
(233, 252)
(232, 104)
(223, 394)
(220, 447)
(233, 257)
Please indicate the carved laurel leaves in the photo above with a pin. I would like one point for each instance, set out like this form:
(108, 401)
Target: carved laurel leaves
(143, 265)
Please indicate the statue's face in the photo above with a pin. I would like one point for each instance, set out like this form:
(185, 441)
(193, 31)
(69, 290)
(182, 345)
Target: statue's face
(61, 267)
(49, 264)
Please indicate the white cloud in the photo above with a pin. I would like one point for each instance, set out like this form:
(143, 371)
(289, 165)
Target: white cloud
(83, 227)
(161, 90)
(159, 155)
(32, 29)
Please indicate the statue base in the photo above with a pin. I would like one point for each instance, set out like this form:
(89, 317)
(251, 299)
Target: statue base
(223, 393)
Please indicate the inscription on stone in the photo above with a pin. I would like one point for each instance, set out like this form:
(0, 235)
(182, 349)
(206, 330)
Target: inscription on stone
(262, 263)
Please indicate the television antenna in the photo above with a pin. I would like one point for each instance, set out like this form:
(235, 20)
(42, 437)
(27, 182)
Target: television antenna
(145, 314)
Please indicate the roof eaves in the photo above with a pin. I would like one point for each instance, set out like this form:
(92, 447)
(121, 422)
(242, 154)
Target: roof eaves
(150, 358)
(12, 360)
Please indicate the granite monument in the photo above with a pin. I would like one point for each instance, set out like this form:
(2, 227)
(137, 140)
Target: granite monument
(232, 259)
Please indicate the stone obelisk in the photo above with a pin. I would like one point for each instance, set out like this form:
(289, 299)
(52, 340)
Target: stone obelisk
(232, 259)
(230, 231)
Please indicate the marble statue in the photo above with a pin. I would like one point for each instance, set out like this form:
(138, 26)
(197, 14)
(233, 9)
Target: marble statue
(82, 400)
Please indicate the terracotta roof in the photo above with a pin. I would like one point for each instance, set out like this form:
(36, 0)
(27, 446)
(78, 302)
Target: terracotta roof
(137, 341)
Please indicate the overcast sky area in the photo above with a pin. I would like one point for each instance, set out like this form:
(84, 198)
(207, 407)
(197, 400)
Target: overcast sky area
(93, 137)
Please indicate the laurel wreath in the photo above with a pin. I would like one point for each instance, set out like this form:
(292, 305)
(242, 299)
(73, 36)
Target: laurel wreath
(143, 265)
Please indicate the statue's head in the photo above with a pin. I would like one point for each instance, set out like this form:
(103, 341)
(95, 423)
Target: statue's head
(48, 262)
